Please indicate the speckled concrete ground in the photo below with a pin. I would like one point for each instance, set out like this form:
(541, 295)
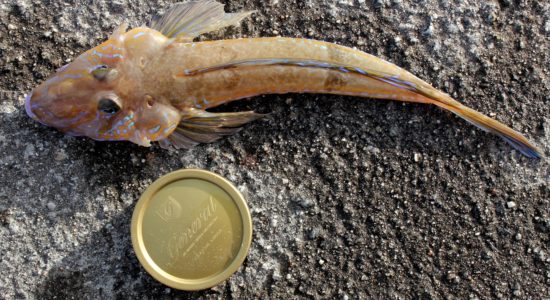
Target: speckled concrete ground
(350, 198)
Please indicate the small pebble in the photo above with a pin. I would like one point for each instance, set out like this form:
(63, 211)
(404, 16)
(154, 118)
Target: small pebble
(305, 203)
(429, 31)
(60, 155)
(314, 233)
(452, 277)
(51, 205)
(14, 227)
(511, 204)
(542, 255)
(378, 3)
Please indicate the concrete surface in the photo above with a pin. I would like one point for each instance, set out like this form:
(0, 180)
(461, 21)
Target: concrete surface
(351, 198)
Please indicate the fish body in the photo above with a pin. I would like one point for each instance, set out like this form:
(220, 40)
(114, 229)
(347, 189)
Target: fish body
(155, 84)
(243, 68)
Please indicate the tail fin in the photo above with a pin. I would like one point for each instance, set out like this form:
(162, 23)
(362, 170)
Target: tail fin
(514, 138)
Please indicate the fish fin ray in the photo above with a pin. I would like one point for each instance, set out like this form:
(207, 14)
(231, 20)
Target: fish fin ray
(206, 127)
(177, 140)
(186, 20)
(119, 31)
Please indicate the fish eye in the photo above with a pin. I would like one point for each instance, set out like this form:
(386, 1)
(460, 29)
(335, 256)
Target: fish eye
(108, 106)
(104, 73)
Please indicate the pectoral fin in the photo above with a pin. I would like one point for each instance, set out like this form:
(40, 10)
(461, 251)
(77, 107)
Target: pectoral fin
(187, 20)
(207, 127)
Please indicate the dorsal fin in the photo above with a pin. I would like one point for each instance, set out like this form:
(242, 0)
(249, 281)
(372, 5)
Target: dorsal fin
(207, 127)
(119, 31)
(187, 20)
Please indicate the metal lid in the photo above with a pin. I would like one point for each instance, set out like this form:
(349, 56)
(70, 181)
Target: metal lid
(191, 229)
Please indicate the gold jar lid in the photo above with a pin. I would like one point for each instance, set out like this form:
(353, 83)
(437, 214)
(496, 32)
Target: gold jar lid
(191, 229)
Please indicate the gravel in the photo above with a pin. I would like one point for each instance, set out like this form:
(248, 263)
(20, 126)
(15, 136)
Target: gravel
(397, 200)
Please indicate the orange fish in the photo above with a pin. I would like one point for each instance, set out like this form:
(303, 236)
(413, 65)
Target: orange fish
(156, 84)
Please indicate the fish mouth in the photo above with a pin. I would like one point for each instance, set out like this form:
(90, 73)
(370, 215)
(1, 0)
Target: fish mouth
(28, 107)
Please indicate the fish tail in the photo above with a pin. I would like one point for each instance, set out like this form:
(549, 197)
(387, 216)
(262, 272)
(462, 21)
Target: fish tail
(514, 138)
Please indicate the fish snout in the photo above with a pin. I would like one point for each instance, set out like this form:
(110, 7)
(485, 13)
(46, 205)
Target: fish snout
(28, 107)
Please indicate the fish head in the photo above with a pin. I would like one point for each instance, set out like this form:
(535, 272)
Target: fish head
(99, 95)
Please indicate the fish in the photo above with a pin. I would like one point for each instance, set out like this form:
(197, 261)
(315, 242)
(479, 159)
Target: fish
(156, 83)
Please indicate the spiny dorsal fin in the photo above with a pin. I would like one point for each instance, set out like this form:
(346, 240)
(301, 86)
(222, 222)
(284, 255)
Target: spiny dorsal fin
(119, 31)
(187, 20)
(207, 127)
